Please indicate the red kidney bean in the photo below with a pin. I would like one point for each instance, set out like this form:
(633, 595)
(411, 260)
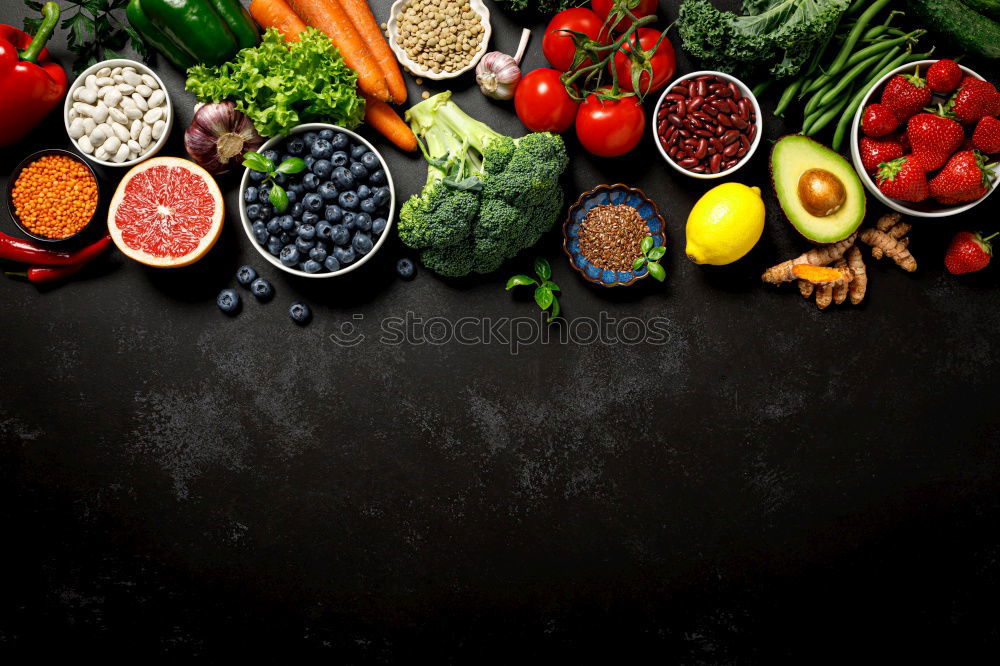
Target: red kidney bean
(724, 120)
(699, 88)
(672, 151)
(731, 149)
(672, 97)
(701, 150)
(683, 132)
(753, 132)
(741, 152)
(744, 108)
(709, 109)
(661, 128)
(698, 169)
(745, 141)
(675, 120)
(681, 109)
(737, 95)
(695, 103)
(688, 162)
(680, 90)
(715, 163)
(738, 122)
(730, 136)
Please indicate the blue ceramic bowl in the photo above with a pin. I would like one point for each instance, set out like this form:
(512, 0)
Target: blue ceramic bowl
(610, 195)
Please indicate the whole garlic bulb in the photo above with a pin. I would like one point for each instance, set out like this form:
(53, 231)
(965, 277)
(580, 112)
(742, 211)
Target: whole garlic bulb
(498, 73)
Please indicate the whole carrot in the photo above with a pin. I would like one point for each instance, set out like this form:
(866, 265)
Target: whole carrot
(387, 122)
(363, 19)
(277, 14)
(329, 17)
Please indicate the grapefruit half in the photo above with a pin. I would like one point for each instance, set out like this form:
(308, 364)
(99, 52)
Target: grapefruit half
(166, 212)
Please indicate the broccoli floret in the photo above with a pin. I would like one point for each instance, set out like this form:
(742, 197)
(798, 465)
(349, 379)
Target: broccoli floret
(439, 216)
(450, 261)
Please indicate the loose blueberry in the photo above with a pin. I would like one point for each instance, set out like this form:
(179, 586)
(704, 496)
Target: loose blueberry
(266, 211)
(312, 266)
(343, 178)
(348, 200)
(382, 195)
(271, 155)
(324, 230)
(405, 268)
(321, 149)
(274, 245)
(313, 202)
(368, 205)
(340, 141)
(295, 146)
(292, 196)
(340, 235)
(370, 160)
(333, 213)
(310, 181)
(300, 313)
(358, 150)
(377, 177)
(318, 253)
(362, 243)
(304, 245)
(250, 194)
(289, 255)
(228, 301)
(253, 211)
(362, 221)
(359, 171)
(363, 191)
(328, 191)
(274, 226)
(307, 232)
(296, 209)
(263, 194)
(262, 289)
(348, 219)
(322, 168)
(286, 222)
(310, 218)
(245, 275)
(331, 264)
(378, 225)
(339, 159)
(344, 255)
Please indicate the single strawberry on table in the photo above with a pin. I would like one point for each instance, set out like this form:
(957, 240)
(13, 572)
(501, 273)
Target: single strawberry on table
(944, 76)
(875, 151)
(986, 136)
(966, 177)
(906, 95)
(973, 100)
(878, 120)
(903, 178)
(968, 253)
(934, 138)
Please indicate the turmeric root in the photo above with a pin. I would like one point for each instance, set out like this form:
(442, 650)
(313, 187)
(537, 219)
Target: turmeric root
(824, 296)
(840, 290)
(818, 256)
(888, 221)
(806, 288)
(896, 229)
(891, 247)
(859, 285)
(823, 275)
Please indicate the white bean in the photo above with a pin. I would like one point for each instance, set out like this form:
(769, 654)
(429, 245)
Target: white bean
(100, 112)
(116, 70)
(152, 116)
(143, 90)
(88, 125)
(118, 78)
(98, 136)
(85, 144)
(111, 144)
(125, 89)
(145, 136)
(122, 153)
(150, 81)
(133, 146)
(131, 111)
(101, 154)
(113, 98)
(121, 132)
(156, 98)
(136, 129)
(118, 116)
(158, 128)
(140, 102)
(76, 129)
(91, 82)
(103, 92)
(105, 81)
(73, 114)
(131, 78)
(84, 109)
(104, 71)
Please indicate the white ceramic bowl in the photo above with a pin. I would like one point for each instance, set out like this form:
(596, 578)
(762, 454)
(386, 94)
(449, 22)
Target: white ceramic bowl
(928, 208)
(753, 144)
(273, 260)
(142, 69)
(392, 26)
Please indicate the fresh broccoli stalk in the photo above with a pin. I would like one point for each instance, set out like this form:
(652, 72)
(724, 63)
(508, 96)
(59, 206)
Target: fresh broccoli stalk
(487, 197)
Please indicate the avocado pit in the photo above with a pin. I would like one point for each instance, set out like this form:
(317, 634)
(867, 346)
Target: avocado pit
(821, 193)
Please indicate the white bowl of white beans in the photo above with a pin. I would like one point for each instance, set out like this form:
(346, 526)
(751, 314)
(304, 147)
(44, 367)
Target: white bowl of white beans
(117, 113)
(445, 71)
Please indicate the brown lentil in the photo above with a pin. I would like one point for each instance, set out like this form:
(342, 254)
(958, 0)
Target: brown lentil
(610, 235)
(439, 35)
(55, 196)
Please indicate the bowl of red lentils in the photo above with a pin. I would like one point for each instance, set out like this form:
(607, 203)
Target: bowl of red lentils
(53, 195)
(604, 230)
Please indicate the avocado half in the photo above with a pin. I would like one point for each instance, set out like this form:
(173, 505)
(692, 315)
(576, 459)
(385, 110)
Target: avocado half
(794, 155)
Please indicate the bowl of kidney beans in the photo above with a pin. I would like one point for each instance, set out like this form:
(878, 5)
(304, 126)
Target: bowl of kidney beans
(707, 124)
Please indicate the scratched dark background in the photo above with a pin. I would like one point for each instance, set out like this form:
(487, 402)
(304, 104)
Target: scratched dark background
(776, 484)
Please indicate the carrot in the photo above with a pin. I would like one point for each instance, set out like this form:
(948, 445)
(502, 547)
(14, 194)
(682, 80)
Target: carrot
(329, 17)
(384, 118)
(363, 19)
(277, 14)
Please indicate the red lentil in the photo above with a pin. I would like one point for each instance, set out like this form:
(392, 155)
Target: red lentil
(55, 196)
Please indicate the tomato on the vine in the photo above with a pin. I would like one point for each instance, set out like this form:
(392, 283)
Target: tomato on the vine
(662, 62)
(542, 103)
(639, 8)
(557, 46)
(610, 127)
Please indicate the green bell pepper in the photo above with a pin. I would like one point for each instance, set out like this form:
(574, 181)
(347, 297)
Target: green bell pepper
(188, 32)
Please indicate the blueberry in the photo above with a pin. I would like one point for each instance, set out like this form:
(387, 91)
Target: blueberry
(274, 226)
(286, 222)
(370, 160)
(310, 218)
(363, 191)
(378, 225)
(362, 243)
(274, 245)
(307, 232)
(260, 232)
(333, 213)
(295, 146)
(331, 264)
(297, 188)
(303, 245)
(339, 159)
(300, 313)
(257, 176)
(253, 211)
(228, 301)
(309, 160)
(381, 195)
(245, 275)
(344, 255)
(405, 268)
(292, 196)
(324, 230)
(321, 149)
(348, 200)
(289, 255)
(313, 202)
(348, 219)
(328, 191)
(318, 253)
(358, 170)
(340, 235)
(343, 178)
(377, 177)
(250, 194)
(271, 155)
(312, 266)
(326, 134)
(286, 238)
(368, 205)
(266, 211)
(281, 179)
(322, 168)
(264, 194)
(362, 221)
(358, 150)
(296, 209)
(310, 182)
(262, 289)
(340, 141)
(309, 138)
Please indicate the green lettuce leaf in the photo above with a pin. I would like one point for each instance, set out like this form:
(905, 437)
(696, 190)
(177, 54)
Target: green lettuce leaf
(281, 84)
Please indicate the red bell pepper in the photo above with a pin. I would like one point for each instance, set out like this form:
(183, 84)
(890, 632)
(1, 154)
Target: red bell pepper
(31, 84)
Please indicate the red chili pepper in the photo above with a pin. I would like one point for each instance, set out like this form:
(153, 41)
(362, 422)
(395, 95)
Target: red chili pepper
(31, 84)
(83, 256)
(26, 252)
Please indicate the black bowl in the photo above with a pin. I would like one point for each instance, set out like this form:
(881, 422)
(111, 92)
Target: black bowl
(17, 173)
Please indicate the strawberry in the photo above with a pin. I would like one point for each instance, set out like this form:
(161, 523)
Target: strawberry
(974, 99)
(906, 95)
(965, 177)
(903, 178)
(944, 76)
(986, 137)
(878, 120)
(934, 138)
(968, 253)
(875, 151)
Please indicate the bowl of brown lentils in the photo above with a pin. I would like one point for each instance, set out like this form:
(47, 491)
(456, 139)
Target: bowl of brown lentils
(438, 39)
(608, 232)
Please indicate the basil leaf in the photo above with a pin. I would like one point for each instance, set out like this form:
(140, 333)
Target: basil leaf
(278, 198)
(258, 162)
(519, 280)
(657, 253)
(551, 286)
(292, 165)
(544, 297)
(657, 271)
(646, 245)
(638, 263)
(543, 269)
(555, 308)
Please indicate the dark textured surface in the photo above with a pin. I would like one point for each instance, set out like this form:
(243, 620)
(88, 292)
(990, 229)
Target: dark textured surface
(774, 484)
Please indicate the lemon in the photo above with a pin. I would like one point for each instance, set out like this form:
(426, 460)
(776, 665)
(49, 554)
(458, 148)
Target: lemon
(725, 224)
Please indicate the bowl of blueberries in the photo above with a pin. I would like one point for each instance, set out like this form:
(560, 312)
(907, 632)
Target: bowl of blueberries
(339, 207)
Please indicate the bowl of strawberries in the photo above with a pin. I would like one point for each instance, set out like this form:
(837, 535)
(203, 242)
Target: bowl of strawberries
(926, 139)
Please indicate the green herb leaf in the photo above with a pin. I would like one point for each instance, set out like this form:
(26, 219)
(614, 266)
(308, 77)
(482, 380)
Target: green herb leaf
(518, 281)
(657, 253)
(555, 309)
(292, 165)
(646, 245)
(551, 286)
(258, 162)
(278, 198)
(544, 297)
(542, 268)
(638, 263)
(657, 271)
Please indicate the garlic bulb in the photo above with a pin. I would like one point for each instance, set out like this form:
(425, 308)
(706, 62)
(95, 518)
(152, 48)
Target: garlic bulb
(498, 73)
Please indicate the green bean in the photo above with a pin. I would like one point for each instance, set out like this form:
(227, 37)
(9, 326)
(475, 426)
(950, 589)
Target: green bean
(824, 119)
(787, 96)
(848, 45)
(880, 46)
(814, 101)
(854, 7)
(846, 79)
(759, 89)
